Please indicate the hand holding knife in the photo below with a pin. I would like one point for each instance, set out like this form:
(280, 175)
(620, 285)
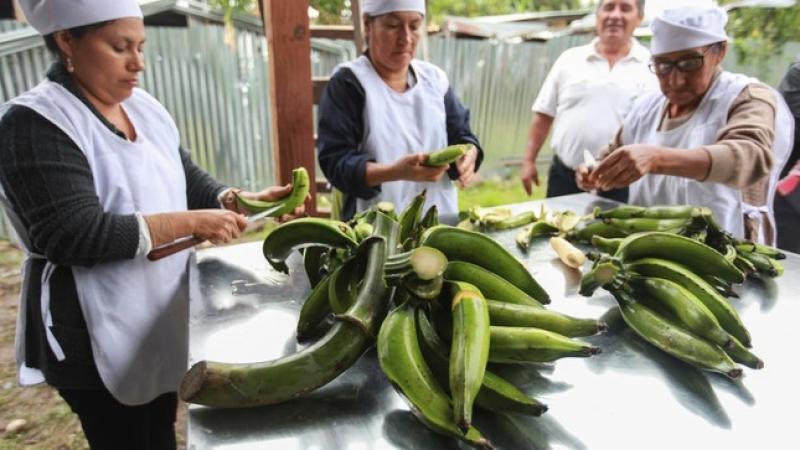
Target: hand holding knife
(170, 249)
(588, 160)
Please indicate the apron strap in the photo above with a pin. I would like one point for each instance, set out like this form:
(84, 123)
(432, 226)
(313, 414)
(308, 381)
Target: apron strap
(47, 317)
(27, 375)
(16, 222)
(756, 215)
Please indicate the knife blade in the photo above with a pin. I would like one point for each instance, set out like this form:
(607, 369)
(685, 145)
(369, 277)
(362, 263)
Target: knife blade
(588, 159)
(253, 221)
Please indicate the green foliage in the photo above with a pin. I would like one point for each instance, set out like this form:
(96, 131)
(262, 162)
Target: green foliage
(233, 6)
(496, 191)
(335, 11)
(761, 33)
(332, 12)
(437, 9)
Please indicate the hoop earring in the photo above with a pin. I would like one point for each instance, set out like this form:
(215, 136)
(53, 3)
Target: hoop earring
(70, 67)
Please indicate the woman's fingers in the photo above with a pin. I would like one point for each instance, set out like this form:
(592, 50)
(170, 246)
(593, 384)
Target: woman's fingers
(467, 162)
(274, 193)
(219, 226)
(582, 178)
(466, 179)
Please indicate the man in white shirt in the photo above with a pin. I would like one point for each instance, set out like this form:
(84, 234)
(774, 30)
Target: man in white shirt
(587, 93)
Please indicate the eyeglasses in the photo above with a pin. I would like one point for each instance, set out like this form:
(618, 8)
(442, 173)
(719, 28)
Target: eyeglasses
(685, 65)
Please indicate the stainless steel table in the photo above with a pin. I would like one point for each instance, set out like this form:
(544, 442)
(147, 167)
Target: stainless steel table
(631, 396)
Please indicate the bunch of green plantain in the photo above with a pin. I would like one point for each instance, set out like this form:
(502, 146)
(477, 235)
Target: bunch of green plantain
(500, 218)
(300, 187)
(667, 289)
(550, 224)
(534, 225)
(458, 301)
(435, 353)
(696, 222)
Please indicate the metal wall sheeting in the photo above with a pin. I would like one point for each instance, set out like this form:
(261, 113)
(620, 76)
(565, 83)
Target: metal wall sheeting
(326, 54)
(10, 25)
(498, 82)
(20, 71)
(218, 98)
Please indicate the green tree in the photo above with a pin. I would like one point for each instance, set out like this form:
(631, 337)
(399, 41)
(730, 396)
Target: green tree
(761, 33)
(229, 7)
(337, 11)
(233, 6)
(332, 12)
(438, 9)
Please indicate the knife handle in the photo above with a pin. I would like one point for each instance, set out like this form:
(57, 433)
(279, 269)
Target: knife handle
(171, 249)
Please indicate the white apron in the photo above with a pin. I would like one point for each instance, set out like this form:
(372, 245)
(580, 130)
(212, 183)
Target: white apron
(641, 126)
(397, 124)
(136, 311)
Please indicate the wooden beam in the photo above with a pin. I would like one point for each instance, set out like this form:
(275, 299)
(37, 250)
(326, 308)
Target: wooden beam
(323, 186)
(319, 86)
(8, 10)
(287, 30)
(358, 26)
(332, 32)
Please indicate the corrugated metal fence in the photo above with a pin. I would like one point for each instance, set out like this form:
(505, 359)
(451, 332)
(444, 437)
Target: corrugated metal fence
(9, 25)
(498, 82)
(217, 96)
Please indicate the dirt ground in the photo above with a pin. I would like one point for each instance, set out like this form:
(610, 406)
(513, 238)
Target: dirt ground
(50, 423)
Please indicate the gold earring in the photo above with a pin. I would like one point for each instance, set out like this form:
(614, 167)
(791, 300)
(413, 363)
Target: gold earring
(70, 67)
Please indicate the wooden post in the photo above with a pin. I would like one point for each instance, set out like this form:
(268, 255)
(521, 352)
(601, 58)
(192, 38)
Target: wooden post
(358, 26)
(10, 10)
(287, 30)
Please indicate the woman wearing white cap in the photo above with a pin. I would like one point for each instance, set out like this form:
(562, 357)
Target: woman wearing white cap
(93, 177)
(382, 112)
(710, 137)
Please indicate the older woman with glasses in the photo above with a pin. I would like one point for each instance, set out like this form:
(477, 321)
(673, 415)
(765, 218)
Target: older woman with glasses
(710, 137)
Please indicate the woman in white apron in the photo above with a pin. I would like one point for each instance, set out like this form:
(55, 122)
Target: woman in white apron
(710, 137)
(93, 178)
(381, 113)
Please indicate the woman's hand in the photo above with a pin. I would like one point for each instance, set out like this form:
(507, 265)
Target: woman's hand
(217, 225)
(582, 178)
(624, 166)
(270, 194)
(466, 166)
(275, 193)
(410, 168)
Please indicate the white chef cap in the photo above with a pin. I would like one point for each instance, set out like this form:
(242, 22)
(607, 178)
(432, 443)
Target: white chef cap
(688, 27)
(48, 16)
(378, 7)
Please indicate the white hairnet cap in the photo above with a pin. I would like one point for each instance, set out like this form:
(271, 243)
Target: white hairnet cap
(378, 7)
(47, 16)
(688, 27)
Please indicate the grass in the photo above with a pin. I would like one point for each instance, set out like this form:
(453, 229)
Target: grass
(502, 188)
(498, 191)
